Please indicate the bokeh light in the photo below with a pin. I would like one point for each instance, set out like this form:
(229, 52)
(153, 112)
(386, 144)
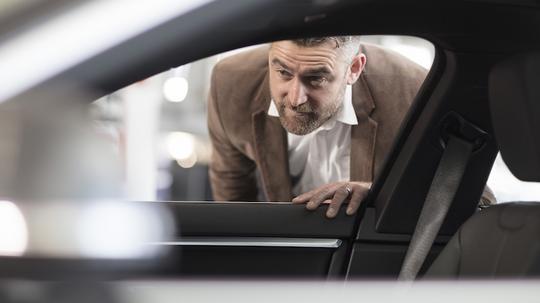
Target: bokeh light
(175, 89)
(13, 230)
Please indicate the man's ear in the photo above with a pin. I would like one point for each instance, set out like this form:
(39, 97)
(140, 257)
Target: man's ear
(356, 68)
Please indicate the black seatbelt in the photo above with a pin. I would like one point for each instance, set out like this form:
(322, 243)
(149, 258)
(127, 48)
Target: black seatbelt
(441, 193)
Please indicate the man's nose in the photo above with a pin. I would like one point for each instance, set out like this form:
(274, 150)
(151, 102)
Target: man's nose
(297, 93)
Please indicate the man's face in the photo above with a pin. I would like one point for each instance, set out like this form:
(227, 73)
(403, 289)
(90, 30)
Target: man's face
(307, 83)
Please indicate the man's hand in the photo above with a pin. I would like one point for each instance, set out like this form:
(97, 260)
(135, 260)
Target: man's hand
(335, 194)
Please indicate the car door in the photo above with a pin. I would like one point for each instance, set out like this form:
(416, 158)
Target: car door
(277, 239)
(267, 239)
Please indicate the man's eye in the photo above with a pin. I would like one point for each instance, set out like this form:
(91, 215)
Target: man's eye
(316, 81)
(283, 73)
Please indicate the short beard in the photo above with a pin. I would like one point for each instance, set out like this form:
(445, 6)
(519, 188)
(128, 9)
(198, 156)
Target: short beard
(312, 119)
(301, 128)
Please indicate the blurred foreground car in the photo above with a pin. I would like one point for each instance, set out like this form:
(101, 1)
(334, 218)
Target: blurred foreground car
(46, 59)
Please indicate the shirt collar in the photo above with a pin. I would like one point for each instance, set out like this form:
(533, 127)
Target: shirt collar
(345, 115)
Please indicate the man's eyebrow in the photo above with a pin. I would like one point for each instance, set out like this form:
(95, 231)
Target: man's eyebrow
(318, 71)
(276, 61)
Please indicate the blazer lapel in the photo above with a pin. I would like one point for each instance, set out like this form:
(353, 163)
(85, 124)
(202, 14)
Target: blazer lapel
(364, 134)
(271, 150)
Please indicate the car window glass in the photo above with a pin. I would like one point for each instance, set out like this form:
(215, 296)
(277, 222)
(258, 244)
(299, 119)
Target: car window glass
(507, 188)
(159, 125)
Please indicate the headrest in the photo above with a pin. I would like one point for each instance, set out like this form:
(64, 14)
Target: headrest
(514, 93)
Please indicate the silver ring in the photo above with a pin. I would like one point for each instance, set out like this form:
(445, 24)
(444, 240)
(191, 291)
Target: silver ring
(349, 190)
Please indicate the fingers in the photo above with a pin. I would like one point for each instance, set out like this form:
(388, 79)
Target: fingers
(315, 197)
(340, 195)
(319, 197)
(336, 194)
(359, 193)
(305, 197)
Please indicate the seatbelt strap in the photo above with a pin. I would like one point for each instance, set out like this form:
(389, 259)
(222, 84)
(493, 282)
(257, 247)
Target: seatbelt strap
(441, 193)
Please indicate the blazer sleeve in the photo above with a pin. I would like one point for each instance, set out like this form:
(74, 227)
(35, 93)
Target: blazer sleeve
(232, 173)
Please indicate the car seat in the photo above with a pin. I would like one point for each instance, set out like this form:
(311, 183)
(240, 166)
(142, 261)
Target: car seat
(503, 241)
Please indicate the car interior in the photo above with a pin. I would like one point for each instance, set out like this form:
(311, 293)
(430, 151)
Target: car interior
(496, 243)
(479, 98)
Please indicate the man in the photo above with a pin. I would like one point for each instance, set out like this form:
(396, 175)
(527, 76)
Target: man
(314, 117)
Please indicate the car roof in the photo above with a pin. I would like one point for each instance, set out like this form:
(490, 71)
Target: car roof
(465, 26)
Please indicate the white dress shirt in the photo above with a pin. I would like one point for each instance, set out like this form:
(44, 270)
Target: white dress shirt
(322, 156)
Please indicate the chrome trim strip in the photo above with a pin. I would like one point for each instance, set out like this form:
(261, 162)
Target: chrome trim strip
(253, 242)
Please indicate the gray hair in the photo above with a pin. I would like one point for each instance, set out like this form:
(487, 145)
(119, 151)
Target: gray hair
(350, 44)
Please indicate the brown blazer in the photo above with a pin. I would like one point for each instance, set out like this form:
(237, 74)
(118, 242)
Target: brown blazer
(246, 140)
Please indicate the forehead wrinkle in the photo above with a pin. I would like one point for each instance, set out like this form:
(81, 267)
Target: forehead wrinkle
(307, 58)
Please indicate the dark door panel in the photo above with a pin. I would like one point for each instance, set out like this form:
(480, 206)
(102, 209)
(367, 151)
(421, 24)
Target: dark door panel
(221, 261)
(241, 239)
(258, 219)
